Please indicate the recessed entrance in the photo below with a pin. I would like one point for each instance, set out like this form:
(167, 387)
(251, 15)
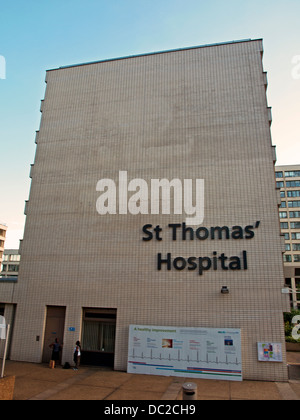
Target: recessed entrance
(55, 325)
(98, 337)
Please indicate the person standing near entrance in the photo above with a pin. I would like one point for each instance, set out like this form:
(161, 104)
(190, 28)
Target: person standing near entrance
(77, 355)
(56, 347)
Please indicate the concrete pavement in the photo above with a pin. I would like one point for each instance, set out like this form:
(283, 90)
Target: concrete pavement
(38, 382)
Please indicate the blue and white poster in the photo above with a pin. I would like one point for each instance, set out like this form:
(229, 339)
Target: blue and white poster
(204, 353)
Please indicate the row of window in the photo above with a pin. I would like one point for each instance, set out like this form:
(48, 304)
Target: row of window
(289, 184)
(296, 247)
(294, 236)
(288, 258)
(293, 225)
(290, 204)
(292, 214)
(288, 174)
(295, 193)
(11, 257)
(10, 267)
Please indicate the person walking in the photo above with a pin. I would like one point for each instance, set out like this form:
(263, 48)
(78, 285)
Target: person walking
(77, 355)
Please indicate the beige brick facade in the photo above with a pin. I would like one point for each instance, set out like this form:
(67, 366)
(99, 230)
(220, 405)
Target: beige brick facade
(198, 113)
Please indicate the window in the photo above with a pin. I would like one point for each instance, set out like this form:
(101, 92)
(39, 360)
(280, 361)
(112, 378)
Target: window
(99, 329)
(13, 268)
(283, 214)
(282, 194)
(287, 258)
(295, 193)
(283, 205)
(4, 267)
(286, 236)
(99, 337)
(295, 225)
(288, 282)
(14, 257)
(296, 247)
(294, 214)
(297, 284)
(284, 225)
(297, 258)
(287, 247)
(294, 204)
(279, 174)
(280, 184)
(292, 184)
(292, 174)
(295, 235)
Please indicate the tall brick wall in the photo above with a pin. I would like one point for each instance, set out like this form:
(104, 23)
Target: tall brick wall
(198, 113)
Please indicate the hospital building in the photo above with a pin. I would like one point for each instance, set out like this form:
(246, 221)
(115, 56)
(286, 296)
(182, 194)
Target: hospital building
(153, 202)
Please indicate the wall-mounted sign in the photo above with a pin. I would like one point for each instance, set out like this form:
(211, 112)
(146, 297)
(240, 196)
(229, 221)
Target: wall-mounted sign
(72, 329)
(269, 352)
(204, 353)
(216, 260)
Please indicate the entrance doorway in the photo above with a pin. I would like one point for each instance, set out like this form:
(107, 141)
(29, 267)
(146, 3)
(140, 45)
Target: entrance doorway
(98, 337)
(55, 325)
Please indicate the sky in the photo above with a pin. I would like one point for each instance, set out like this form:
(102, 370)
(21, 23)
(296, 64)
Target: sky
(39, 35)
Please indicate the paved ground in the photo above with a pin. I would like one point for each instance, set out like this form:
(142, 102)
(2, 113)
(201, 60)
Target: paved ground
(38, 382)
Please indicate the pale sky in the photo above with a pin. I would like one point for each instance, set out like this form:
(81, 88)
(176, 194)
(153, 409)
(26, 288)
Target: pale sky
(39, 35)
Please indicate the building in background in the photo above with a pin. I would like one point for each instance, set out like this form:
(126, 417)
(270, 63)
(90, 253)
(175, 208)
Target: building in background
(101, 252)
(288, 181)
(10, 263)
(3, 229)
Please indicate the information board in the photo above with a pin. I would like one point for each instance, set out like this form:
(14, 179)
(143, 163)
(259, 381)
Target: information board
(269, 352)
(204, 353)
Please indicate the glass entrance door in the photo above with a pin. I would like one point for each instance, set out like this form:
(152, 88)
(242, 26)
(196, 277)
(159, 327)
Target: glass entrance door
(98, 337)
